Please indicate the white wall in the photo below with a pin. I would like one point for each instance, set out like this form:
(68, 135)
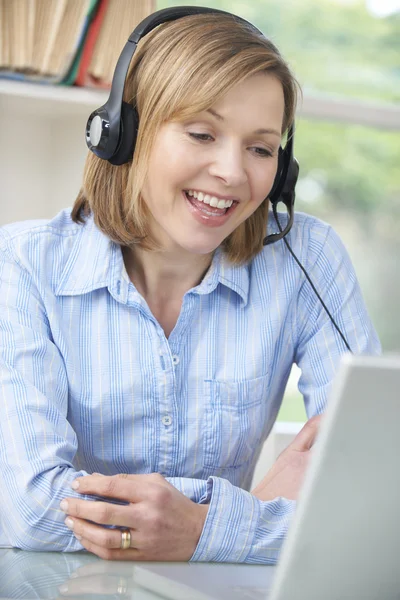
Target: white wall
(42, 150)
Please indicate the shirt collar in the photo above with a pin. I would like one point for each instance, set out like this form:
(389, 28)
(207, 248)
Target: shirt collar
(95, 262)
(222, 271)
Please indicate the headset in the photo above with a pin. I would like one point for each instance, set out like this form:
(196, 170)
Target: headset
(111, 129)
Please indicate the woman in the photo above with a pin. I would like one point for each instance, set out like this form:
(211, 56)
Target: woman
(147, 336)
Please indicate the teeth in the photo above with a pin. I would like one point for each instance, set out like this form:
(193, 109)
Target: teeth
(211, 200)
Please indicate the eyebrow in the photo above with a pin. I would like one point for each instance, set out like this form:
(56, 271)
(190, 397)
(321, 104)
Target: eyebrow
(257, 132)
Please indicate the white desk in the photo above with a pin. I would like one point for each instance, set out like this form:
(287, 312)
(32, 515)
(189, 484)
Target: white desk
(46, 575)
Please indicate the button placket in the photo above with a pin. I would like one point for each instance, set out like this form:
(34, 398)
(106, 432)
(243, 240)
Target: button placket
(166, 408)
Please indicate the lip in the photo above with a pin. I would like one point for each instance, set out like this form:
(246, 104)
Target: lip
(209, 221)
(219, 196)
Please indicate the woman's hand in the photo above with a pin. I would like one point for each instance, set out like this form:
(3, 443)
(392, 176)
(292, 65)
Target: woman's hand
(163, 523)
(285, 478)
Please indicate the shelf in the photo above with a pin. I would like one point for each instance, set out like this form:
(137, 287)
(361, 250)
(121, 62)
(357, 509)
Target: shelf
(55, 101)
(49, 100)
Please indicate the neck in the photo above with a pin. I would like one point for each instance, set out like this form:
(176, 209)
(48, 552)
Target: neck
(159, 275)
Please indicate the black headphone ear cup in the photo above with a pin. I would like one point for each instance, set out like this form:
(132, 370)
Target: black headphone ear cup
(127, 136)
(278, 175)
(291, 177)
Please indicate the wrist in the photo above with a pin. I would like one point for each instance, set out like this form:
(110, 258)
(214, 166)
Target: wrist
(202, 515)
(201, 511)
(261, 490)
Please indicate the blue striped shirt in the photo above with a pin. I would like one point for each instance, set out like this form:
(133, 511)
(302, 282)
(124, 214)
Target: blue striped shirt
(89, 382)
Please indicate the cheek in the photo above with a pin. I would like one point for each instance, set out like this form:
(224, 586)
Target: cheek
(170, 156)
(169, 171)
(265, 178)
(262, 181)
(181, 164)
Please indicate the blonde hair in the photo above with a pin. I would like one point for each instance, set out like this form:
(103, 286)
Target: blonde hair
(178, 70)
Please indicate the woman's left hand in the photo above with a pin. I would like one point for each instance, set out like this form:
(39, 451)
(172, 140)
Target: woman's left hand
(164, 524)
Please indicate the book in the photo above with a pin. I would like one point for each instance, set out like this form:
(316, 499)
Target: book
(82, 77)
(108, 33)
(71, 75)
(41, 38)
(68, 42)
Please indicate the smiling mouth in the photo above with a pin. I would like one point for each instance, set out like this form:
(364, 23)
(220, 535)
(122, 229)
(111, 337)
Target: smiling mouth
(204, 207)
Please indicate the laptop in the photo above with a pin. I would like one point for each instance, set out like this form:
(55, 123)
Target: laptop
(344, 541)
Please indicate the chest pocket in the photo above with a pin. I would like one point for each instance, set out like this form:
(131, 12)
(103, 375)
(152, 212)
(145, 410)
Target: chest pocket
(235, 416)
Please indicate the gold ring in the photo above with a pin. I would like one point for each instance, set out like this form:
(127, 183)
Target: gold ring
(125, 539)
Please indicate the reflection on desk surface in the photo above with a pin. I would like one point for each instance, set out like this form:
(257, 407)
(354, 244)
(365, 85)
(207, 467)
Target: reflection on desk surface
(46, 575)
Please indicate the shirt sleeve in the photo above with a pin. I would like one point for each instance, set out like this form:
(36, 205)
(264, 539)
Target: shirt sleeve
(37, 444)
(240, 528)
(319, 345)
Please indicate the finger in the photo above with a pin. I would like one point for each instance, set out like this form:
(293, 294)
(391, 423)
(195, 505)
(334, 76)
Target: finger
(100, 536)
(104, 513)
(131, 554)
(306, 437)
(132, 488)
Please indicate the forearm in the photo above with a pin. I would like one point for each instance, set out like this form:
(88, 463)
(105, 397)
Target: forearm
(31, 518)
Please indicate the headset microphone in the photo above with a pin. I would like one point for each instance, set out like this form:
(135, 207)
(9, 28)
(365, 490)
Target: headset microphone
(111, 130)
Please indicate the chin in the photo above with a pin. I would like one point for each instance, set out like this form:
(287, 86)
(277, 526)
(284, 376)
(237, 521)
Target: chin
(200, 247)
(200, 250)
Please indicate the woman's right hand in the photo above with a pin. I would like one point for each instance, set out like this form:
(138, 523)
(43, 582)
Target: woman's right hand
(286, 476)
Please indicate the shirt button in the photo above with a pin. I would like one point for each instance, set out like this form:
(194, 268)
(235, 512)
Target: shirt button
(175, 360)
(166, 420)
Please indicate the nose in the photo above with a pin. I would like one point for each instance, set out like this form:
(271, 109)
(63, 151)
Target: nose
(228, 165)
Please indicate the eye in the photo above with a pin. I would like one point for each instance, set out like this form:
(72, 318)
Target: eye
(262, 152)
(201, 137)
(206, 137)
